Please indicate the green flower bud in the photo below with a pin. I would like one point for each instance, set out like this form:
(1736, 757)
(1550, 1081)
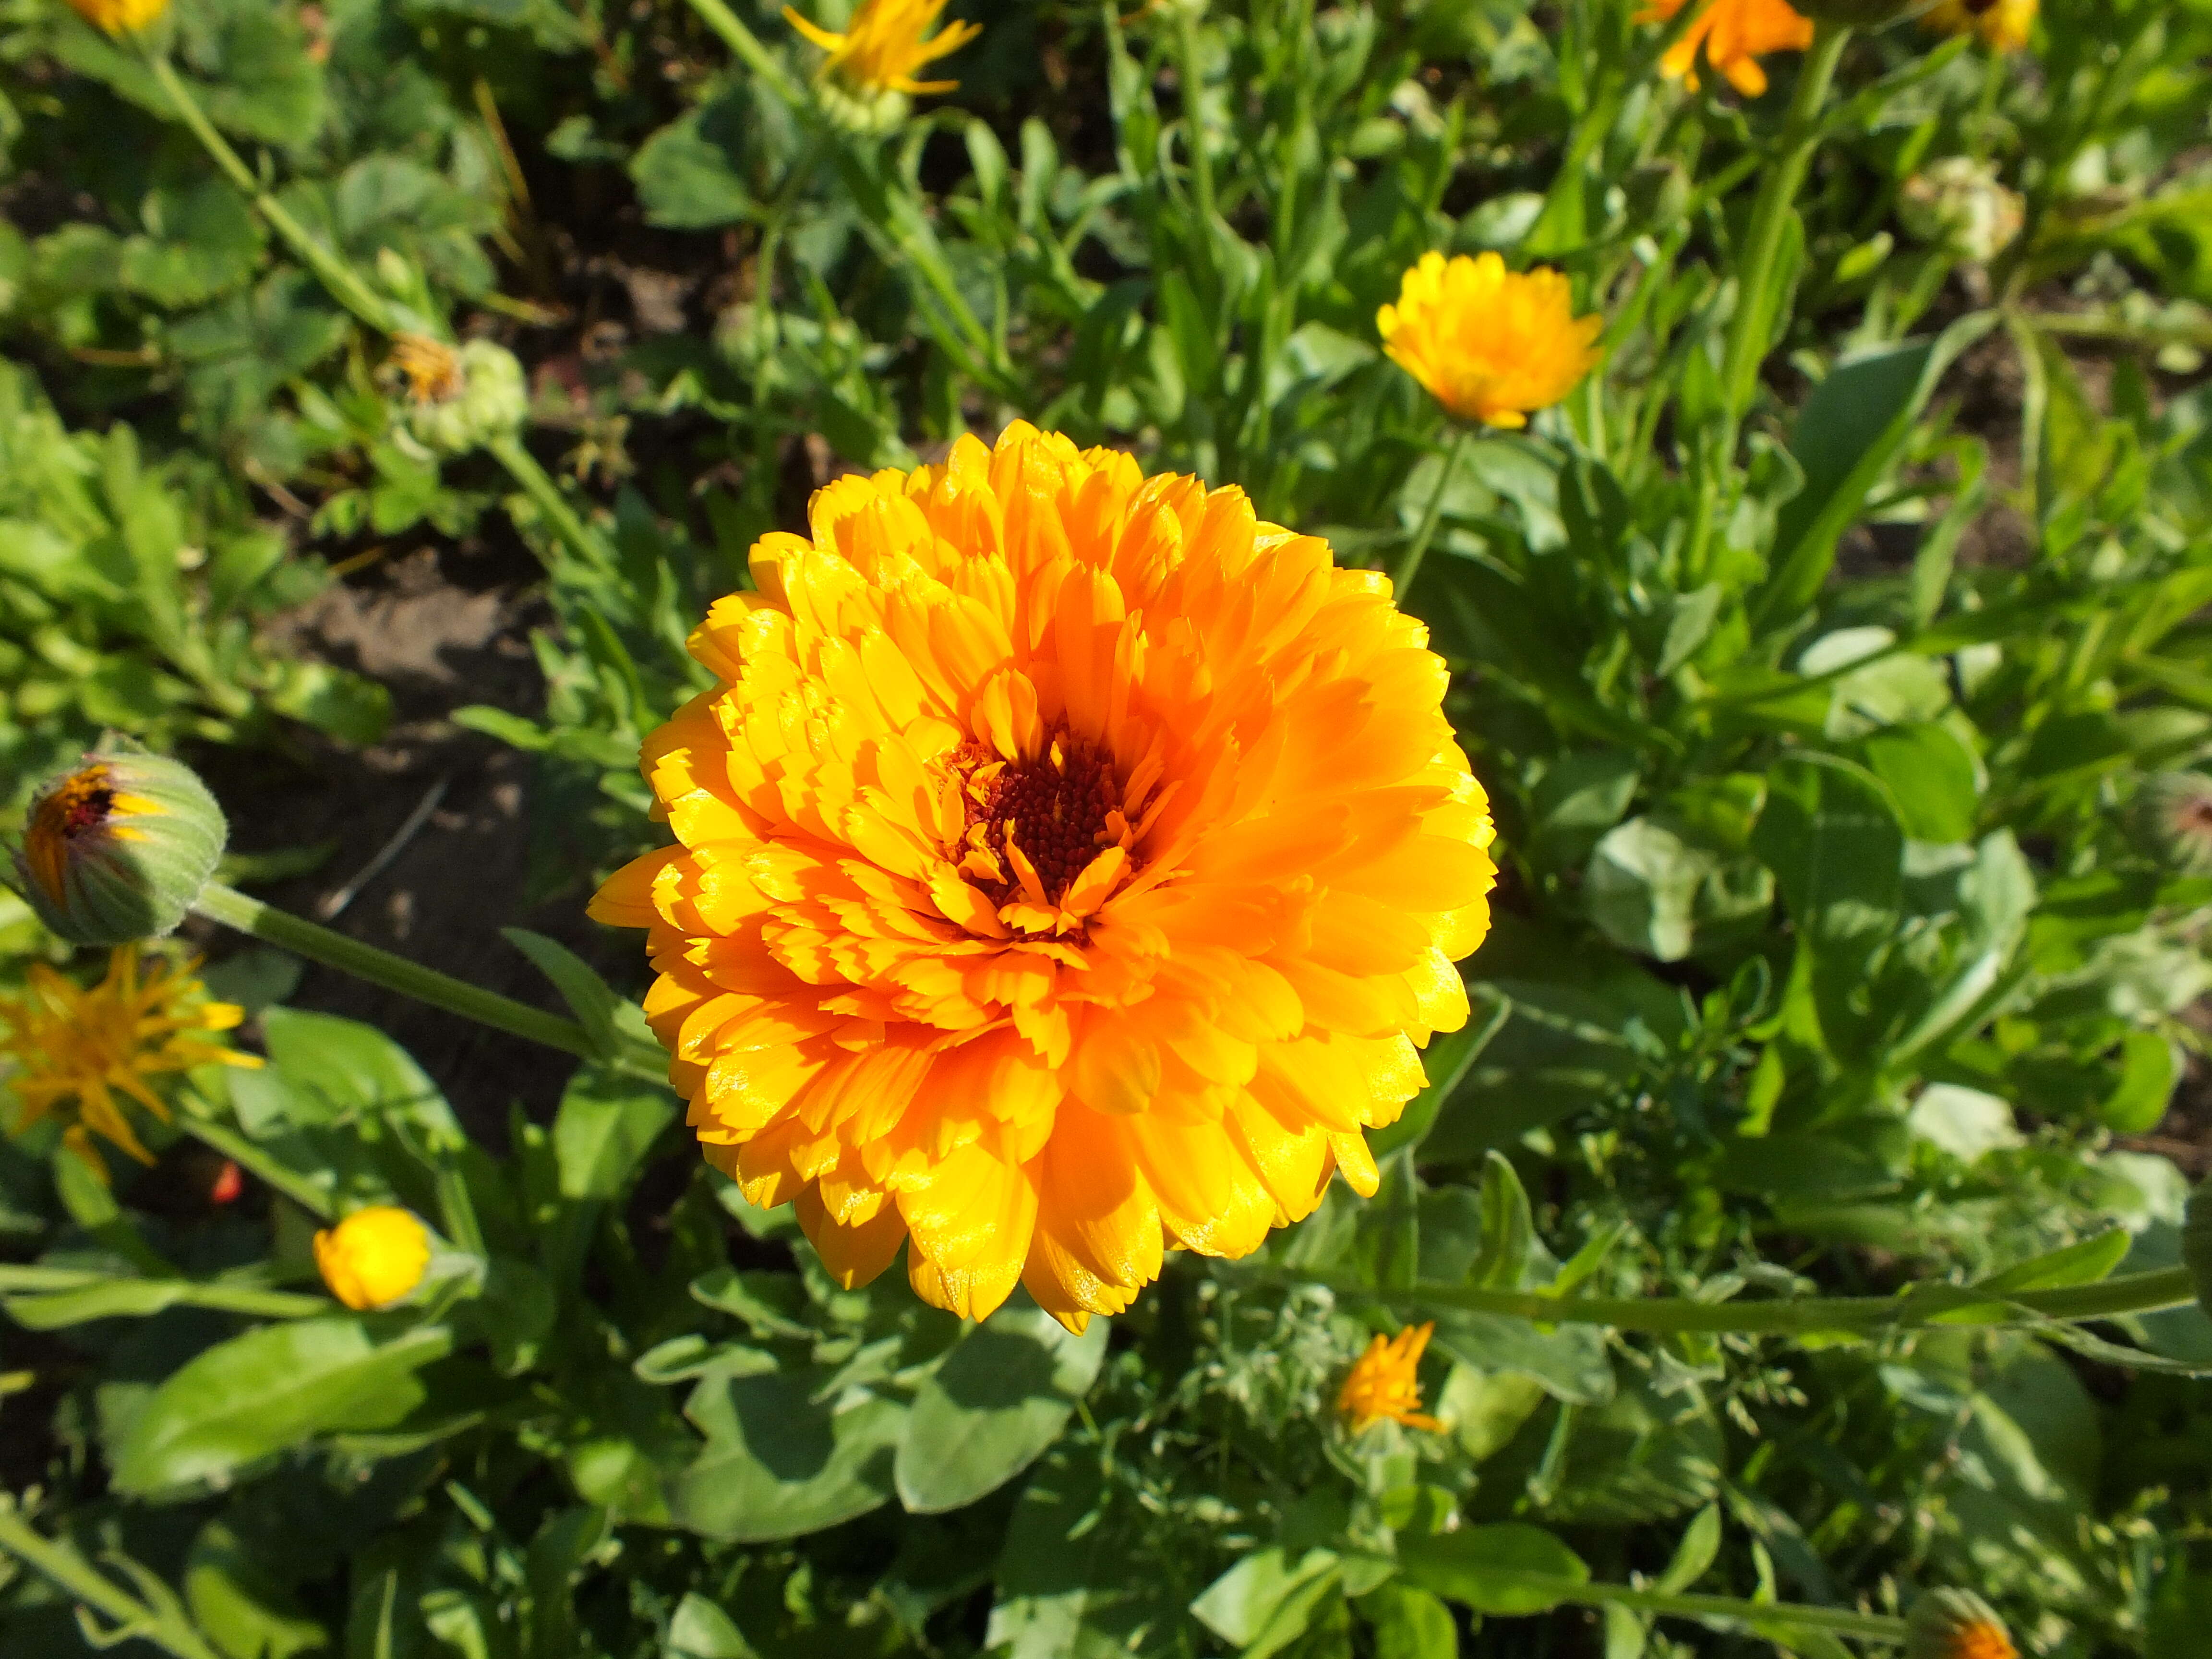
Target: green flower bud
(1958, 205)
(2197, 1243)
(459, 398)
(1955, 1624)
(118, 849)
(2171, 820)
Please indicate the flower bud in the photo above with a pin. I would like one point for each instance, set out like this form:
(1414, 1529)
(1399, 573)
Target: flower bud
(459, 398)
(119, 16)
(1958, 205)
(374, 1257)
(1955, 1624)
(2171, 820)
(118, 849)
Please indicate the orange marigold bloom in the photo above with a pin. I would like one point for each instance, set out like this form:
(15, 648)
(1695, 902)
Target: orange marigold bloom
(1067, 862)
(75, 1050)
(1490, 344)
(1385, 1381)
(1735, 34)
(1955, 1624)
(2004, 25)
(882, 46)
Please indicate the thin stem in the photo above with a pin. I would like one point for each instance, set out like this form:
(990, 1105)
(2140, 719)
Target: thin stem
(749, 49)
(582, 540)
(248, 1156)
(1194, 130)
(94, 1589)
(233, 910)
(1923, 1304)
(344, 284)
(1409, 563)
(1842, 1621)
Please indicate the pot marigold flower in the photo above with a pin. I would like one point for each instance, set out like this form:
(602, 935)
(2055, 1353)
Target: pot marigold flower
(1734, 34)
(2004, 26)
(75, 1051)
(1489, 344)
(1384, 1381)
(1067, 863)
(374, 1257)
(119, 16)
(882, 46)
(1955, 1624)
(118, 849)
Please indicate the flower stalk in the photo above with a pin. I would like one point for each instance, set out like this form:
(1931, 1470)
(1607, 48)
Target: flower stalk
(1409, 563)
(233, 910)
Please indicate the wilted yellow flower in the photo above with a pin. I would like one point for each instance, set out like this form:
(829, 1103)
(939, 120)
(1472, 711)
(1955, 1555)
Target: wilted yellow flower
(431, 368)
(1385, 1382)
(882, 46)
(2004, 25)
(1735, 34)
(75, 1050)
(1490, 344)
(374, 1257)
(1066, 860)
(119, 16)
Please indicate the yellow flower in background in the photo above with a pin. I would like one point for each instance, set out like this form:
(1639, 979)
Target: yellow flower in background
(1384, 1382)
(2002, 25)
(1735, 35)
(119, 16)
(1490, 344)
(431, 368)
(1068, 864)
(77, 1050)
(374, 1257)
(883, 45)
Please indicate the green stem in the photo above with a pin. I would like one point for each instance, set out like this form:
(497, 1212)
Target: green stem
(1193, 131)
(233, 910)
(344, 284)
(1841, 1622)
(94, 1589)
(566, 523)
(1923, 1304)
(248, 1156)
(747, 47)
(1409, 563)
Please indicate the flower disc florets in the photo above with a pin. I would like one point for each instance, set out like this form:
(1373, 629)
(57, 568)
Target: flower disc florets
(1067, 862)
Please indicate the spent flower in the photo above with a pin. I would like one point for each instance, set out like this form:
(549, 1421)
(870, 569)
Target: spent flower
(1959, 204)
(2002, 25)
(1069, 863)
(118, 849)
(374, 1257)
(1490, 344)
(460, 398)
(81, 1054)
(885, 43)
(1384, 1382)
(1734, 35)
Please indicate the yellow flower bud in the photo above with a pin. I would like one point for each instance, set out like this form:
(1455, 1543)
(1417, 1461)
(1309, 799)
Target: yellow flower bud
(118, 849)
(119, 16)
(374, 1257)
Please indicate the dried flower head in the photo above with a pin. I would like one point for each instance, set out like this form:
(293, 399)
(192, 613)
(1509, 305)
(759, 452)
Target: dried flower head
(2002, 25)
(1384, 1382)
(79, 1054)
(119, 16)
(1734, 35)
(885, 43)
(1489, 344)
(2171, 818)
(1067, 863)
(374, 1257)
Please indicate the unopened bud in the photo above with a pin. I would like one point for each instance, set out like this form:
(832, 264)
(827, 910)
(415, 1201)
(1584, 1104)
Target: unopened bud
(374, 1257)
(1959, 205)
(460, 398)
(119, 849)
(1955, 1624)
(2171, 820)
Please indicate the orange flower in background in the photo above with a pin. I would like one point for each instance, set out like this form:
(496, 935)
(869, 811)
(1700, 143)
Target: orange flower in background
(1384, 1382)
(882, 46)
(1069, 864)
(1735, 35)
(2002, 25)
(1489, 344)
(77, 1050)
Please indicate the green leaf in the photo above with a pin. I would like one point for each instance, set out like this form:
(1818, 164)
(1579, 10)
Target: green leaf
(1694, 1555)
(1409, 1623)
(1930, 775)
(688, 174)
(1510, 1568)
(2082, 1262)
(780, 1462)
(992, 1405)
(349, 1069)
(239, 1606)
(1448, 1059)
(272, 1388)
(605, 1126)
(1830, 833)
(2147, 1076)
(1266, 1599)
(701, 1629)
